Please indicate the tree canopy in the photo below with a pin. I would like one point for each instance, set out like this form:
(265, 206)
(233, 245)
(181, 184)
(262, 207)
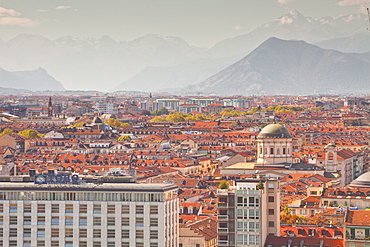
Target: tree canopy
(30, 134)
(6, 131)
(112, 122)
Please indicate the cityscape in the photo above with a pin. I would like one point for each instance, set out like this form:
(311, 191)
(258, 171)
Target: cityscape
(185, 123)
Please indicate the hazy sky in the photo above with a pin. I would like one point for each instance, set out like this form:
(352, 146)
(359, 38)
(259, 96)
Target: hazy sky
(199, 22)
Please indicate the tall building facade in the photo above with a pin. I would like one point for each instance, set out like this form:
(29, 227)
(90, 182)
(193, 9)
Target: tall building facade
(248, 213)
(110, 214)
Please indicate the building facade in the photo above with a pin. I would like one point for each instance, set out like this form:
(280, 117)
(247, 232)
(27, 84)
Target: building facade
(248, 213)
(110, 214)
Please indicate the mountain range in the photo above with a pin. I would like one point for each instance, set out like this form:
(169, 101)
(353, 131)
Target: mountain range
(291, 67)
(158, 63)
(34, 80)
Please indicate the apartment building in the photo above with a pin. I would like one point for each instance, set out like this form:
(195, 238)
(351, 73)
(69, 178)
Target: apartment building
(109, 214)
(248, 213)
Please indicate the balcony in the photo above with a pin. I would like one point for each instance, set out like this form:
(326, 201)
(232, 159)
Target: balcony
(222, 205)
(223, 242)
(223, 230)
(223, 217)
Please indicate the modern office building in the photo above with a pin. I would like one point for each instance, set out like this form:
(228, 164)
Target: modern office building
(248, 213)
(109, 214)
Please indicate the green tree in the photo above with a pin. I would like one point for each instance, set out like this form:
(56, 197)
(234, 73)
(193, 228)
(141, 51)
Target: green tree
(7, 131)
(224, 185)
(29, 133)
(161, 111)
(145, 113)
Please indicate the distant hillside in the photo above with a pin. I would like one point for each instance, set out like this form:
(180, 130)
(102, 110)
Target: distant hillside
(34, 80)
(291, 67)
(357, 43)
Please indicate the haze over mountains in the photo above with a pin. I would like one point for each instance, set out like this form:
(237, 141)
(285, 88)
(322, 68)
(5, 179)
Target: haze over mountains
(34, 80)
(157, 63)
(291, 67)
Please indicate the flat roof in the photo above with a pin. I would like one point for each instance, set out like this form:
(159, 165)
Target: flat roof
(108, 187)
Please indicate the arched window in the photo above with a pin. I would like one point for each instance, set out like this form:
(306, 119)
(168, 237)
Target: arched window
(330, 156)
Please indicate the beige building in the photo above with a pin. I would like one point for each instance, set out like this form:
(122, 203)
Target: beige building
(110, 214)
(248, 214)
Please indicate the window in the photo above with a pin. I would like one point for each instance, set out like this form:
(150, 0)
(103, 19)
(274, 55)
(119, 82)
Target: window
(153, 234)
(13, 220)
(54, 232)
(111, 233)
(41, 232)
(69, 208)
(40, 243)
(125, 209)
(96, 244)
(41, 220)
(28, 243)
(69, 221)
(153, 221)
(27, 232)
(69, 244)
(153, 209)
(271, 199)
(83, 208)
(13, 208)
(13, 243)
(69, 232)
(83, 233)
(83, 221)
(125, 233)
(111, 209)
(82, 244)
(55, 220)
(41, 208)
(55, 208)
(97, 233)
(27, 208)
(139, 234)
(111, 221)
(12, 232)
(125, 221)
(271, 224)
(139, 209)
(270, 186)
(97, 209)
(271, 212)
(271, 150)
(139, 221)
(97, 221)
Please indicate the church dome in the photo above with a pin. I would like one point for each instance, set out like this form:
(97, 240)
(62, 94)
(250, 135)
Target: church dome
(361, 181)
(274, 131)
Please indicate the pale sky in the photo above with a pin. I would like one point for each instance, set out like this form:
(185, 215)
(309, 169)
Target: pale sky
(198, 22)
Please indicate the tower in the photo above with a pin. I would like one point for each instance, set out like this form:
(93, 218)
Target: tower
(50, 108)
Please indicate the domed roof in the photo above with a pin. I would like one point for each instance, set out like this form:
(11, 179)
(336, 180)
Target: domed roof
(274, 131)
(361, 181)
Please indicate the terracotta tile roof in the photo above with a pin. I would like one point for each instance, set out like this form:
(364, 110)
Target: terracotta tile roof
(358, 218)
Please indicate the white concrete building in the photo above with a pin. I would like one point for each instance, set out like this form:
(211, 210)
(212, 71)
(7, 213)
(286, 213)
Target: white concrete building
(110, 214)
(248, 213)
